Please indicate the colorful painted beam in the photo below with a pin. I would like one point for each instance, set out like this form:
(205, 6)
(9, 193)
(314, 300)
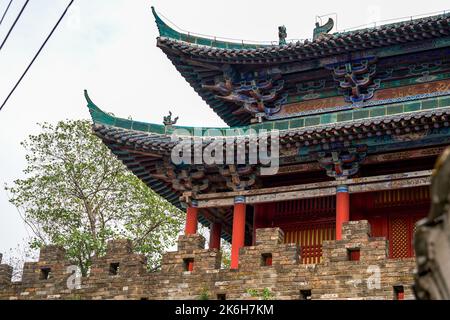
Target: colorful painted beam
(320, 189)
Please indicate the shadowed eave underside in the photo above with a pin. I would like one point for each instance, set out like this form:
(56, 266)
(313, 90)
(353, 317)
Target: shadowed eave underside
(136, 143)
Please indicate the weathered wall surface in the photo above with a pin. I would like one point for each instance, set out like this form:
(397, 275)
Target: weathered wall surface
(121, 274)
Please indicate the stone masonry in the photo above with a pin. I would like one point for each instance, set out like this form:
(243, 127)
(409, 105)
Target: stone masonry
(356, 267)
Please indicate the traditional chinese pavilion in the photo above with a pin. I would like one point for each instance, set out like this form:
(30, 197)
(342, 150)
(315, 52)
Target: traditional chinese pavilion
(362, 116)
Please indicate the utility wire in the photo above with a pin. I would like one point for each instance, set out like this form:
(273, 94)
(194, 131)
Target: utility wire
(4, 13)
(14, 24)
(37, 54)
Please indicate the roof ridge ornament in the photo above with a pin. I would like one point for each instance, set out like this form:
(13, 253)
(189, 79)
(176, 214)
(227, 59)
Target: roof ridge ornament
(282, 34)
(322, 30)
(167, 120)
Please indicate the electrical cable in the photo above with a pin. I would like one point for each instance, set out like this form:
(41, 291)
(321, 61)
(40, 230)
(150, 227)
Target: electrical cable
(36, 55)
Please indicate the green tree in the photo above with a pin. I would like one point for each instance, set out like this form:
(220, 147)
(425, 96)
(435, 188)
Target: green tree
(77, 194)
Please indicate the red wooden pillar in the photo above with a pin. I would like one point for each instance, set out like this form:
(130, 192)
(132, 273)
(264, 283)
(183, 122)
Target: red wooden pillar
(191, 219)
(342, 209)
(214, 235)
(238, 236)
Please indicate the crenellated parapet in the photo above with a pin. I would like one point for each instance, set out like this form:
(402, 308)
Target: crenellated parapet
(356, 244)
(355, 267)
(119, 274)
(50, 268)
(5, 273)
(191, 256)
(270, 251)
(53, 276)
(119, 260)
(359, 266)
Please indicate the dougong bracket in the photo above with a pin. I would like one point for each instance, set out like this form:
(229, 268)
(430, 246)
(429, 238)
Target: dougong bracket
(238, 177)
(257, 92)
(341, 163)
(357, 80)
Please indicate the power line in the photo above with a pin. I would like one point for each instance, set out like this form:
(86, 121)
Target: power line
(4, 13)
(37, 54)
(14, 24)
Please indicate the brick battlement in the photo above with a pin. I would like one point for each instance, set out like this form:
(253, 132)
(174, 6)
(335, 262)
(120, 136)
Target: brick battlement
(355, 267)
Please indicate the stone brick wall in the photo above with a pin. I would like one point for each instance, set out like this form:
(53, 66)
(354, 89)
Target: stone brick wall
(356, 267)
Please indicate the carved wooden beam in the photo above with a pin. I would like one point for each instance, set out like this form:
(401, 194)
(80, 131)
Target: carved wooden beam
(371, 159)
(312, 190)
(238, 178)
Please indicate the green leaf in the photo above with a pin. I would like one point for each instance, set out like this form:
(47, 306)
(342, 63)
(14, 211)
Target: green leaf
(77, 194)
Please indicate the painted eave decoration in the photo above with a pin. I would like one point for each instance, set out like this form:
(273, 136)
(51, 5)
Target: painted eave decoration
(246, 83)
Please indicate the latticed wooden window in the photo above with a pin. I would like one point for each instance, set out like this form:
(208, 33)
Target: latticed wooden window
(401, 235)
(399, 238)
(396, 212)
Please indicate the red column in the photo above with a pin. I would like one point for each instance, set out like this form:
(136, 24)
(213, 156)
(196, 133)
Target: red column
(191, 219)
(342, 209)
(214, 235)
(238, 236)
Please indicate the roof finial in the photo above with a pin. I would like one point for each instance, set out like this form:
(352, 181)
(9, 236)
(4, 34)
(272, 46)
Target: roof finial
(167, 120)
(282, 34)
(318, 30)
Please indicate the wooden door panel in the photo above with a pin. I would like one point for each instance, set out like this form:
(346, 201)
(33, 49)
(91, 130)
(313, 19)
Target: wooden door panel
(310, 239)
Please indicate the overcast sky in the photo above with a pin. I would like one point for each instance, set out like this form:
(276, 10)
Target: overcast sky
(108, 47)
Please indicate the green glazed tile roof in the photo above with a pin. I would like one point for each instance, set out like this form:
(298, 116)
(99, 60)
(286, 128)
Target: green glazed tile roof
(200, 59)
(168, 32)
(369, 114)
(398, 32)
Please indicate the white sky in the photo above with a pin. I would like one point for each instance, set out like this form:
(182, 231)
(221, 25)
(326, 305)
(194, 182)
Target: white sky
(108, 47)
